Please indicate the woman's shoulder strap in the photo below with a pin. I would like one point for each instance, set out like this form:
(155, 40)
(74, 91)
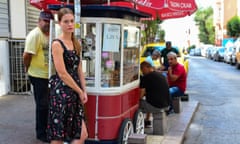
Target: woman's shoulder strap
(61, 42)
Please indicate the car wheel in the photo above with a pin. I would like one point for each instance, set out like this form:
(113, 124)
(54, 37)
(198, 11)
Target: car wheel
(237, 65)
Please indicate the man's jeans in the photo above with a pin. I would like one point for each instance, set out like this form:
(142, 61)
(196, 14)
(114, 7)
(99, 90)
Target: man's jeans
(174, 92)
(40, 90)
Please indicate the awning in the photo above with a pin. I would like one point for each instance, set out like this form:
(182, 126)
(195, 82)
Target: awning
(164, 9)
(43, 4)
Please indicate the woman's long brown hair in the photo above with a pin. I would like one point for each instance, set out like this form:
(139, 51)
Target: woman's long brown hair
(76, 43)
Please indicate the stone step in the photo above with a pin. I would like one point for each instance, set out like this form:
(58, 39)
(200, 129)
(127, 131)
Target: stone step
(178, 124)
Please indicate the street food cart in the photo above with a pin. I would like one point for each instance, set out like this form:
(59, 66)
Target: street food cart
(111, 45)
(110, 38)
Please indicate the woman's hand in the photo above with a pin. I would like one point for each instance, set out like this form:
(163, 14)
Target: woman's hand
(83, 97)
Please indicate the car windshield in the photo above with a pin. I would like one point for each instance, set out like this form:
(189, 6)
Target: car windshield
(150, 49)
(160, 48)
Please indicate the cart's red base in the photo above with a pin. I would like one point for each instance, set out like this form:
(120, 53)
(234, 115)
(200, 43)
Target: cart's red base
(105, 113)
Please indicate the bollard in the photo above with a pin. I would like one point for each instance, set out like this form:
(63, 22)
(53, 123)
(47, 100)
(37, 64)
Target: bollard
(177, 106)
(137, 139)
(159, 123)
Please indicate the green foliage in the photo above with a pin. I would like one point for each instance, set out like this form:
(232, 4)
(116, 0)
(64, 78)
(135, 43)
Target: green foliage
(204, 20)
(151, 30)
(161, 35)
(233, 27)
(191, 47)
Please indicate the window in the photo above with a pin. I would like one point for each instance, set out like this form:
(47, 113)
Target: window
(88, 33)
(131, 54)
(111, 55)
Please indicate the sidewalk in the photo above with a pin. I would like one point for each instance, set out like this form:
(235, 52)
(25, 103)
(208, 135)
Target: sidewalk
(177, 125)
(17, 122)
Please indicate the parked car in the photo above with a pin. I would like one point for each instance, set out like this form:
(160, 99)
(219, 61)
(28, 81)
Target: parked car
(219, 54)
(191, 52)
(209, 52)
(204, 49)
(230, 55)
(237, 53)
(197, 52)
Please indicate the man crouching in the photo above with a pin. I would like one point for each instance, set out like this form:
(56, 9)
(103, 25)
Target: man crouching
(154, 87)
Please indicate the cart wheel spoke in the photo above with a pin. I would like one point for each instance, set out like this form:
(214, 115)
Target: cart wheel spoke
(125, 131)
(139, 122)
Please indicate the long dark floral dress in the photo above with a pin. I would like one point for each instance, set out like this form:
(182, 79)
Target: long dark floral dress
(65, 109)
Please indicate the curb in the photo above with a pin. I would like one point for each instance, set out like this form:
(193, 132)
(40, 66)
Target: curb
(179, 123)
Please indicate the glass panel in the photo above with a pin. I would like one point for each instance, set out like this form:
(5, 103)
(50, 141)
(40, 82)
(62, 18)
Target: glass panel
(131, 54)
(111, 55)
(88, 33)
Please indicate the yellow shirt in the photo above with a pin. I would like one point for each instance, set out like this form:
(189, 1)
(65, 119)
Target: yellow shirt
(37, 44)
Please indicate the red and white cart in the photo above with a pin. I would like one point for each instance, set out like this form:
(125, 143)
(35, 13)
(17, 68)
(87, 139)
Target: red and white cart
(110, 38)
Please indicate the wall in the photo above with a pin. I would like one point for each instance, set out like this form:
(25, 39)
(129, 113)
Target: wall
(18, 19)
(4, 68)
(230, 10)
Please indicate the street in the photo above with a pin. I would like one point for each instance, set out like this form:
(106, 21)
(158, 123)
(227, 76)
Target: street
(216, 86)
(213, 84)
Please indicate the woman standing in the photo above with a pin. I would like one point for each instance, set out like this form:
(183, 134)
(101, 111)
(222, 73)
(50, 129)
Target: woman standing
(67, 86)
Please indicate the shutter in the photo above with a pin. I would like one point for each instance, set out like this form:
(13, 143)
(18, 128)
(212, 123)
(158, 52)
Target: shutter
(32, 16)
(4, 20)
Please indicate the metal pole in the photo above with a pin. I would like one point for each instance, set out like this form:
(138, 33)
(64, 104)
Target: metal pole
(77, 14)
(51, 36)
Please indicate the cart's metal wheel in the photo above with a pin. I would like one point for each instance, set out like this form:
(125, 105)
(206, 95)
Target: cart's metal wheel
(138, 122)
(125, 131)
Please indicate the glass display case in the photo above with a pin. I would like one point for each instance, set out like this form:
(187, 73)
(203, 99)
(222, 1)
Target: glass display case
(88, 35)
(110, 54)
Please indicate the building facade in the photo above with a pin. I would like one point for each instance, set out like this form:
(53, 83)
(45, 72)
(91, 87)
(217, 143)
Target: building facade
(17, 18)
(224, 10)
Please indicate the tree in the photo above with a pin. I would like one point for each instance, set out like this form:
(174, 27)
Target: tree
(204, 20)
(233, 27)
(151, 31)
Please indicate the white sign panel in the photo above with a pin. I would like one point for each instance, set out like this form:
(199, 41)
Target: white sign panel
(111, 38)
